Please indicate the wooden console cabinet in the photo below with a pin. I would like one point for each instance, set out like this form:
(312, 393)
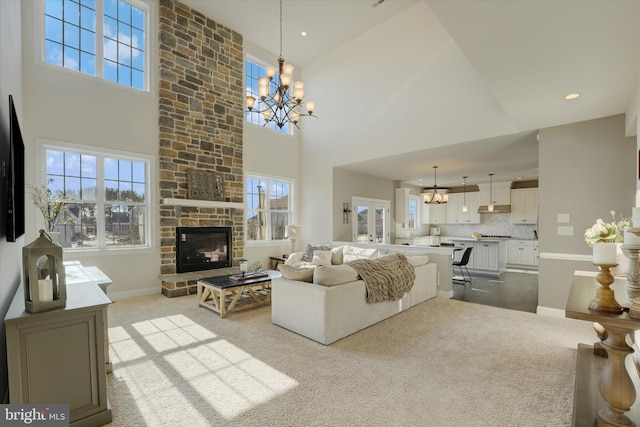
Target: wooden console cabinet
(59, 356)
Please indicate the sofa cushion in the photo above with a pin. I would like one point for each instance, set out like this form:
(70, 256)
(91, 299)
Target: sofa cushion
(334, 275)
(308, 254)
(351, 253)
(293, 273)
(321, 257)
(417, 260)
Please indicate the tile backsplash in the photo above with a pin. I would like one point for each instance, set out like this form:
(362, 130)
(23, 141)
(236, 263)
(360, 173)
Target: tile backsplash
(490, 224)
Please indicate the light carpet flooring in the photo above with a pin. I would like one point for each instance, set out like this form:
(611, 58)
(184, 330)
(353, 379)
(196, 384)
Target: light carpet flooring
(441, 363)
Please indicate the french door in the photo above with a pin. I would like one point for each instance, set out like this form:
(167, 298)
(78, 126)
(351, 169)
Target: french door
(371, 220)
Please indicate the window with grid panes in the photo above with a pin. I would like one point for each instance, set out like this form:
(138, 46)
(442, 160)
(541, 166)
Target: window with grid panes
(253, 72)
(106, 198)
(101, 38)
(269, 208)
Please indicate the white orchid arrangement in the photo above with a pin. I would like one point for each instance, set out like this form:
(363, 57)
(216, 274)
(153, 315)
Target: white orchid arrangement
(606, 232)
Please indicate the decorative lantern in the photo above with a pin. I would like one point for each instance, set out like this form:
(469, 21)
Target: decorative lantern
(244, 265)
(44, 278)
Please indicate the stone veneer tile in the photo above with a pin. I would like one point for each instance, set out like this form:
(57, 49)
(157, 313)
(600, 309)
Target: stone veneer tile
(201, 118)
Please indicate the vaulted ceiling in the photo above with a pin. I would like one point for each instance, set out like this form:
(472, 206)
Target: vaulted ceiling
(459, 84)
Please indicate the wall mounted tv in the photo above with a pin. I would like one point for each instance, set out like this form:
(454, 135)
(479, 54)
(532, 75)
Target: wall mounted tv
(15, 174)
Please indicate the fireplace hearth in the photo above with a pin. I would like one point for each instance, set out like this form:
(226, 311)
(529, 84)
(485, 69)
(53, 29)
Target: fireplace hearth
(203, 248)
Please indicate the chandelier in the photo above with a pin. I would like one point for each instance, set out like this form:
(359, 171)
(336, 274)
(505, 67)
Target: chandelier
(280, 106)
(434, 196)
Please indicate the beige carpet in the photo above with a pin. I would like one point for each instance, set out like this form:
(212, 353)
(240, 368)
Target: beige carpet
(441, 363)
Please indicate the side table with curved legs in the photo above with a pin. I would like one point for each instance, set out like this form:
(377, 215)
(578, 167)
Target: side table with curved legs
(614, 384)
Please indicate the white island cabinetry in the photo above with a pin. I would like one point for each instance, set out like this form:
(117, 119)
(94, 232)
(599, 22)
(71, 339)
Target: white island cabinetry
(488, 256)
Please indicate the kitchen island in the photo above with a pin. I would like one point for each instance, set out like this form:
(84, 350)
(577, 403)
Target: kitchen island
(489, 255)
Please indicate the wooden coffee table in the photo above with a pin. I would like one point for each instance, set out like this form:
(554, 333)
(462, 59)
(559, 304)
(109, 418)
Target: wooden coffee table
(224, 295)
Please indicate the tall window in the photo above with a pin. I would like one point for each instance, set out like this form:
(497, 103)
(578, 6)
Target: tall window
(74, 29)
(253, 72)
(269, 208)
(106, 198)
(413, 212)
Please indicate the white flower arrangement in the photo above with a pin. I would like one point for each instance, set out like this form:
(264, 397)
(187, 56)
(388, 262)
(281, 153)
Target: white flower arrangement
(606, 232)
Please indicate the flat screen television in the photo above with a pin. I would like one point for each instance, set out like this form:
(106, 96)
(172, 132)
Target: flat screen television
(15, 175)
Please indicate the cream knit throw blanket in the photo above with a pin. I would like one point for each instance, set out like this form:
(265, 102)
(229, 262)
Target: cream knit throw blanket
(387, 278)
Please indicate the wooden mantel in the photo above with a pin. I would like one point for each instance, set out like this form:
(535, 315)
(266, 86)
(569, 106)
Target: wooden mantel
(202, 203)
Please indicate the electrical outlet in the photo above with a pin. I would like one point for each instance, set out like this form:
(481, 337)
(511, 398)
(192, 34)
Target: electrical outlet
(565, 230)
(563, 218)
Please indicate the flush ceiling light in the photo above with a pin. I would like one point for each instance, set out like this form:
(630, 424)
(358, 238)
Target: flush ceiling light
(280, 106)
(572, 96)
(303, 34)
(434, 196)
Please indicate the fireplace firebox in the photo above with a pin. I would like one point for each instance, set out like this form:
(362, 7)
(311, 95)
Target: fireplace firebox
(203, 248)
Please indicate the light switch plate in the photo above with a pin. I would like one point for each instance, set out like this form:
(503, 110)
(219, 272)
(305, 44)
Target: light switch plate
(565, 230)
(563, 218)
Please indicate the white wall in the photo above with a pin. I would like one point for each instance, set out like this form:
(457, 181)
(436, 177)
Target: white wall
(587, 169)
(274, 154)
(67, 106)
(10, 84)
(374, 99)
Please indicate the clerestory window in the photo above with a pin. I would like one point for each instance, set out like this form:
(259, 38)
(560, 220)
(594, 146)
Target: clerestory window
(106, 39)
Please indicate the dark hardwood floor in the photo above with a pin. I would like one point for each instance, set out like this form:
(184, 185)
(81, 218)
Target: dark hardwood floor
(515, 290)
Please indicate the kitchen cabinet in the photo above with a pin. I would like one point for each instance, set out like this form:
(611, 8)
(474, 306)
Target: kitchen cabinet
(523, 252)
(486, 255)
(501, 193)
(454, 214)
(524, 206)
(433, 213)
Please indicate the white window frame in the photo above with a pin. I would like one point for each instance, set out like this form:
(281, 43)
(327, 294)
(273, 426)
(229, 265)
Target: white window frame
(149, 45)
(291, 129)
(292, 208)
(42, 145)
(419, 201)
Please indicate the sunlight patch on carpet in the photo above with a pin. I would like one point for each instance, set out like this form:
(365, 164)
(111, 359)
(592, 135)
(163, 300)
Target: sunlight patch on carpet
(151, 354)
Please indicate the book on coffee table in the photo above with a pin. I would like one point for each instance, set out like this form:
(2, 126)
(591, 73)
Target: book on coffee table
(248, 276)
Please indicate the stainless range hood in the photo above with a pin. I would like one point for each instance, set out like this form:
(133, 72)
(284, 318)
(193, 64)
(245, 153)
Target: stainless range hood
(496, 209)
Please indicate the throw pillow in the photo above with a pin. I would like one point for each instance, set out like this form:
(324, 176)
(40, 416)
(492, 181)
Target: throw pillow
(351, 253)
(334, 275)
(321, 257)
(336, 258)
(294, 258)
(308, 255)
(417, 260)
(292, 273)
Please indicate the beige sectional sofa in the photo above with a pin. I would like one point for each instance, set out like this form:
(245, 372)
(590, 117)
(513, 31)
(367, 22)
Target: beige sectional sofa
(334, 304)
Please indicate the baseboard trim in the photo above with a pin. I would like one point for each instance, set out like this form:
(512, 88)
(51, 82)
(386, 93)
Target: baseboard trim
(115, 296)
(551, 312)
(445, 294)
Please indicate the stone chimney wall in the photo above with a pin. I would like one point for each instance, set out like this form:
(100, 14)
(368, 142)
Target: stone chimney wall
(201, 119)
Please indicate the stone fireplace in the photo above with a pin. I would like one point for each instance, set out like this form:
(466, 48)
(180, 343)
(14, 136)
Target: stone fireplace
(201, 119)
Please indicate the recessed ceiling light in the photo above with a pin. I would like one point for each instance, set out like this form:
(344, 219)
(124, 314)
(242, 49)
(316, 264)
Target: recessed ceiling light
(572, 96)
(303, 34)
(519, 177)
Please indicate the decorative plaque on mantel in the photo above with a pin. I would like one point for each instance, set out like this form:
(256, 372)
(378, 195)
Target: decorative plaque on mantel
(204, 186)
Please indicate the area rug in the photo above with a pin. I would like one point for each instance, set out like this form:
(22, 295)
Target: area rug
(440, 363)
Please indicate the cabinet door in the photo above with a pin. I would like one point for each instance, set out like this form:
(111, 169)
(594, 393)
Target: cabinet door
(451, 212)
(433, 213)
(524, 206)
(486, 256)
(473, 202)
(528, 255)
(515, 254)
